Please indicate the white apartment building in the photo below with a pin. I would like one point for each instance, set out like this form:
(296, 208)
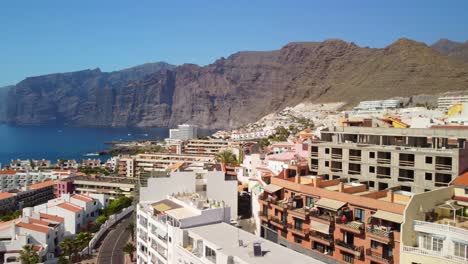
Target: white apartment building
(185, 229)
(436, 226)
(78, 210)
(212, 184)
(378, 104)
(183, 132)
(42, 231)
(11, 180)
(445, 102)
(159, 223)
(252, 134)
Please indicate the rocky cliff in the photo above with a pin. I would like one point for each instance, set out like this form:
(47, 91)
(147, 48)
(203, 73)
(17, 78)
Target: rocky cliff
(456, 50)
(239, 89)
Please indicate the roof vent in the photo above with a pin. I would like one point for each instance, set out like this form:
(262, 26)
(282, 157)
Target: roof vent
(257, 248)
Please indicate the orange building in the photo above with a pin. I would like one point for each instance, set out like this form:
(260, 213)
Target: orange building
(332, 220)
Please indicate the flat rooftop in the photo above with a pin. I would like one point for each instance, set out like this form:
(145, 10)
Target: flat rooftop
(226, 238)
(411, 132)
(107, 179)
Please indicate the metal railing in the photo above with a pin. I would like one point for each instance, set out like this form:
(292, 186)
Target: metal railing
(440, 227)
(352, 247)
(437, 254)
(378, 256)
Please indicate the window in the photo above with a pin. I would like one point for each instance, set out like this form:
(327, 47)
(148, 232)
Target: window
(359, 215)
(210, 254)
(348, 258)
(298, 223)
(309, 201)
(428, 176)
(327, 164)
(428, 160)
(460, 250)
(431, 243)
(372, 155)
(327, 151)
(371, 169)
(374, 244)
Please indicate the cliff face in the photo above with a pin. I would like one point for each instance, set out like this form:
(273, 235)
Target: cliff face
(236, 90)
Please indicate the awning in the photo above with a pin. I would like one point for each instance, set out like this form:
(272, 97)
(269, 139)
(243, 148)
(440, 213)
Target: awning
(320, 227)
(452, 207)
(271, 188)
(330, 204)
(392, 217)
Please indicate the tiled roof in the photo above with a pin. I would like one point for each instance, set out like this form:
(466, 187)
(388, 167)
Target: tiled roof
(461, 180)
(7, 172)
(33, 227)
(70, 207)
(51, 217)
(81, 197)
(39, 222)
(6, 195)
(42, 185)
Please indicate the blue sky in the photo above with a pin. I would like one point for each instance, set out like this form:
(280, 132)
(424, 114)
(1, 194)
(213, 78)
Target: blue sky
(47, 36)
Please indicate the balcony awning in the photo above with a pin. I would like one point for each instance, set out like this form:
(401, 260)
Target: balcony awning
(320, 227)
(271, 188)
(330, 204)
(450, 206)
(392, 217)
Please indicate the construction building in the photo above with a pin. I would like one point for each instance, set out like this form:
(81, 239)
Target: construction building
(418, 160)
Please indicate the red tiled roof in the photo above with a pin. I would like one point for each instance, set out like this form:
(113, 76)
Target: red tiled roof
(51, 217)
(39, 222)
(6, 195)
(7, 172)
(70, 207)
(42, 185)
(83, 198)
(461, 180)
(33, 227)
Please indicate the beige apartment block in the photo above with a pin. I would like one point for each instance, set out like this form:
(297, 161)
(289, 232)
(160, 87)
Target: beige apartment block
(419, 160)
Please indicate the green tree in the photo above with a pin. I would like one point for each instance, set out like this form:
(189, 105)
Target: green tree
(131, 228)
(63, 260)
(82, 240)
(101, 219)
(226, 157)
(264, 142)
(117, 205)
(28, 255)
(129, 248)
(68, 247)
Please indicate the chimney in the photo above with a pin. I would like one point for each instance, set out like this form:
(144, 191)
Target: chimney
(341, 187)
(390, 196)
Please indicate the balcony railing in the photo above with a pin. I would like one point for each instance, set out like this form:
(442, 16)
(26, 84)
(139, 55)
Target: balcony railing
(276, 221)
(354, 158)
(378, 257)
(428, 227)
(380, 234)
(323, 218)
(350, 248)
(383, 161)
(437, 254)
(350, 226)
(383, 176)
(320, 238)
(337, 156)
(443, 167)
(298, 230)
(406, 163)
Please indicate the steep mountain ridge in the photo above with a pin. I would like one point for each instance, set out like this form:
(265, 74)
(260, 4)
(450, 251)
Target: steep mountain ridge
(238, 89)
(456, 50)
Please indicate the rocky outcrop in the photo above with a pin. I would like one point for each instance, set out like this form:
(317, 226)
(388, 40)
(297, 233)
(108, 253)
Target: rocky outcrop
(239, 89)
(456, 50)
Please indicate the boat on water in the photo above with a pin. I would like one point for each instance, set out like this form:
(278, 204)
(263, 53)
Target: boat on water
(91, 154)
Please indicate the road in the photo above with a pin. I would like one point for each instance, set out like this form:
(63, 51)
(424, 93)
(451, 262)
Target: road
(111, 251)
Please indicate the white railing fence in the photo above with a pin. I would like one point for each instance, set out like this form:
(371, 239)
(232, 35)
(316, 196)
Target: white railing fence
(437, 254)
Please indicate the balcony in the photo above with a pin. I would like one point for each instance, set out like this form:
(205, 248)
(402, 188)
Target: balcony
(302, 232)
(455, 228)
(263, 216)
(349, 248)
(443, 167)
(276, 221)
(354, 158)
(351, 226)
(406, 163)
(377, 257)
(300, 213)
(280, 205)
(380, 234)
(435, 254)
(326, 240)
(322, 218)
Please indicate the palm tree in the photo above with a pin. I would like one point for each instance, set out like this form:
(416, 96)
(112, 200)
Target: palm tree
(82, 240)
(68, 247)
(129, 248)
(226, 157)
(131, 228)
(28, 255)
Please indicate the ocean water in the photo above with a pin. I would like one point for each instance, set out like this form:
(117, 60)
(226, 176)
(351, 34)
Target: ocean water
(52, 143)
